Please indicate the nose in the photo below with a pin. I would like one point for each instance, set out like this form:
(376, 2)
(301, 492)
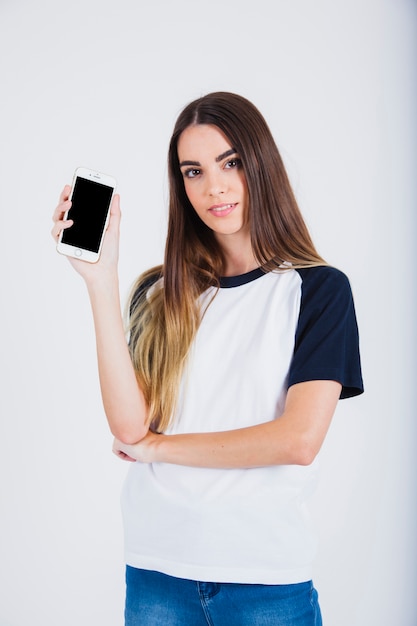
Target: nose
(216, 184)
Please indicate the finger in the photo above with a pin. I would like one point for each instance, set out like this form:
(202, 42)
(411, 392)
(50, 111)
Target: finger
(118, 451)
(64, 204)
(59, 226)
(65, 193)
(60, 210)
(123, 456)
(58, 217)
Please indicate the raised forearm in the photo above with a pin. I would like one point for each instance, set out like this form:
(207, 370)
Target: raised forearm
(123, 401)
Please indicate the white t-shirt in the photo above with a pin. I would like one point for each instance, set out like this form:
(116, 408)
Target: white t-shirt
(261, 334)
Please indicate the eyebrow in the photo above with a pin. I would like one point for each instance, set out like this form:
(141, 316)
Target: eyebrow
(219, 158)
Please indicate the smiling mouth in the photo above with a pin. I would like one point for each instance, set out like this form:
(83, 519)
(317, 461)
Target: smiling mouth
(222, 209)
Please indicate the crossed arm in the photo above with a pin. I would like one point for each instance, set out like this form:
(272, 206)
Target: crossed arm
(294, 438)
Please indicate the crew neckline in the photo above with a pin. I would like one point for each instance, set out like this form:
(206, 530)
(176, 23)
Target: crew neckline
(226, 282)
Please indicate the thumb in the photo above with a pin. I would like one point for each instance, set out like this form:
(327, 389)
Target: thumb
(115, 205)
(115, 213)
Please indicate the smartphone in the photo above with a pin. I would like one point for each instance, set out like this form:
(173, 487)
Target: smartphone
(91, 197)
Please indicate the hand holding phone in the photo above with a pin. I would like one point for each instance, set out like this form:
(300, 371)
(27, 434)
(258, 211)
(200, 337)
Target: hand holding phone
(91, 197)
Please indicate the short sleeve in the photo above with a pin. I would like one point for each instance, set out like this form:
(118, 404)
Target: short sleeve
(327, 338)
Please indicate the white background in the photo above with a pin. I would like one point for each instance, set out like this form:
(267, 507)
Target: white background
(100, 84)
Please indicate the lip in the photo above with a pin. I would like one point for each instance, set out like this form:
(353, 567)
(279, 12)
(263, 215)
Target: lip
(221, 210)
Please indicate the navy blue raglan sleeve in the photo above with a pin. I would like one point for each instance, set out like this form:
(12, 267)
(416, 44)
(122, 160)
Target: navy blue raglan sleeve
(327, 340)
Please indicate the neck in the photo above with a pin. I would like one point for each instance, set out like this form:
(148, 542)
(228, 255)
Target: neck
(239, 258)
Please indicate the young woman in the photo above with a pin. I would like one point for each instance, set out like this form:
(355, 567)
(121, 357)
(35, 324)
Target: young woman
(240, 346)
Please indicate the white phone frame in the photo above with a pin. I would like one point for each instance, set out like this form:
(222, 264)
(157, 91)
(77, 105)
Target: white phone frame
(74, 251)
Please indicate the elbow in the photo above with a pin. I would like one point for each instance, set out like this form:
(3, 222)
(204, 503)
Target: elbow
(129, 436)
(304, 453)
(128, 428)
(305, 458)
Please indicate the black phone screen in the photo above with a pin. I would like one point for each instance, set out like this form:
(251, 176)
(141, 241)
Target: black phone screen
(90, 204)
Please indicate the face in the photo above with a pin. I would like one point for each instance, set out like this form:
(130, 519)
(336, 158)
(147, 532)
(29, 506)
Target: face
(214, 180)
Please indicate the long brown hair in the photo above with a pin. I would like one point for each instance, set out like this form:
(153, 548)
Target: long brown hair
(163, 324)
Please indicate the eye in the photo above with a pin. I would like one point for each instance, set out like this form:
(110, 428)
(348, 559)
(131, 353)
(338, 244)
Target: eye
(192, 172)
(231, 163)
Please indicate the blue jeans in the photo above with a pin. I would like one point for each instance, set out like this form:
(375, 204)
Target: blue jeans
(155, 599)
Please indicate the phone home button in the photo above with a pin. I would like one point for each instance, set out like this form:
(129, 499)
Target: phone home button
(78, 252)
